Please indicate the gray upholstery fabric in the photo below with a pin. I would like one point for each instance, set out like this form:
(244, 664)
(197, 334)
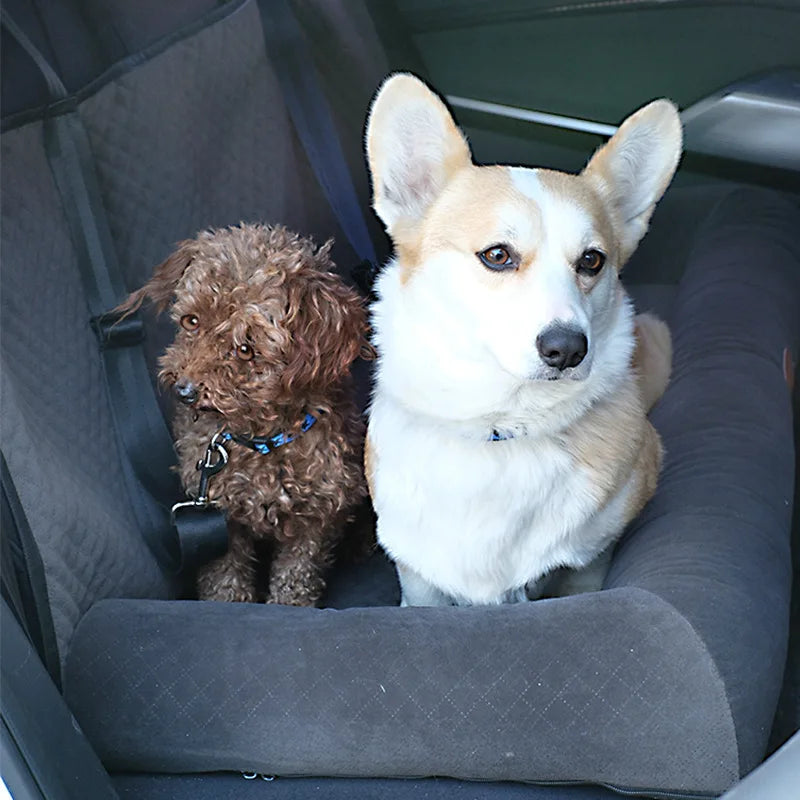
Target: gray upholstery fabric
(655, 298)
(83, 38)
(199, 137)
(667, 681)
(193, 137)
(56, 426)
(597, 687)
(359, 583)
(722, 515)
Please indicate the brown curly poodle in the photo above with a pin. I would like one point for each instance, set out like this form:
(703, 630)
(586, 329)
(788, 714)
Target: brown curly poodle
(265, 340)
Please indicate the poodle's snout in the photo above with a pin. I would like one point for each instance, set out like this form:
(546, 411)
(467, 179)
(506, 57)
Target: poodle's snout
(185, 390)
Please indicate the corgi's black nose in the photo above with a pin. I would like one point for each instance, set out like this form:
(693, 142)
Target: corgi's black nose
(185, 390)
(562, 346)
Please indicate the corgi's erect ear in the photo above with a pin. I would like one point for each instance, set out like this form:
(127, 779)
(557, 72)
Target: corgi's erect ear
(633, 169)
(413, 148)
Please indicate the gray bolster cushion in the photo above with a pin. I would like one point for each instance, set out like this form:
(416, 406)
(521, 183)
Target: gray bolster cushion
(665, 681)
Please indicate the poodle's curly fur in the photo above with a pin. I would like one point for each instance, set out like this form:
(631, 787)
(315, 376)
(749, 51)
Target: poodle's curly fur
(266, 332)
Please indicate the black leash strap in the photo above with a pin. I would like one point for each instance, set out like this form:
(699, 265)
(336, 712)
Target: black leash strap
(140, 427)
(308, 107)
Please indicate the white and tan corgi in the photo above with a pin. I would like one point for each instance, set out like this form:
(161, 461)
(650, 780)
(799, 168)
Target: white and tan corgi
(507, 431)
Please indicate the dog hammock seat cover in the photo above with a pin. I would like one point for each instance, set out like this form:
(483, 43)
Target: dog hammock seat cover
(665, 682)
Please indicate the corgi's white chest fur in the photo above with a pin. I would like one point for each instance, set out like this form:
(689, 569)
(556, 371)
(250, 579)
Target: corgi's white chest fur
(502, 311)
(480, 520)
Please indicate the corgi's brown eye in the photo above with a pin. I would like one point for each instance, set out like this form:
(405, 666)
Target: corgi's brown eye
(591, 262)
(244, 352)
(497, 258)
(190, 322)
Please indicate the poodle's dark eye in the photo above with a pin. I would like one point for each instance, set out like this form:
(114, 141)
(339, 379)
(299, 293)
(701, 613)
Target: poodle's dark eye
(591, 262)
(190, 322)
(497, 258)
(244, 352)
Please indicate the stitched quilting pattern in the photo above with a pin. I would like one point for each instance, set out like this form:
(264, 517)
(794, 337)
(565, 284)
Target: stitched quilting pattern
(199, 137)
(547, 691)
(56, 425)
(196, 137)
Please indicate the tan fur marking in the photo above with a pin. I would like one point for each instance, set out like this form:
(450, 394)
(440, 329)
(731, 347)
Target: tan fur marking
(369, 465)
(528, 260)
(606, 441)
(659, 122)
(581, 192)
(604, 155)
(652, 358)
(646, 471)
(615, 441)
(464, 217)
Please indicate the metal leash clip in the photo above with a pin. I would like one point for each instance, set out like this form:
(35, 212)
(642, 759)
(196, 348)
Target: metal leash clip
(215, 459)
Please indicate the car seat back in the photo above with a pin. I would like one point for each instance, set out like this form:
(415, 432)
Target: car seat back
(186, 132)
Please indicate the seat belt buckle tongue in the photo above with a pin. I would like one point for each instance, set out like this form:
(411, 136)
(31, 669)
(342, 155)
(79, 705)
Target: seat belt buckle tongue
(113, 332)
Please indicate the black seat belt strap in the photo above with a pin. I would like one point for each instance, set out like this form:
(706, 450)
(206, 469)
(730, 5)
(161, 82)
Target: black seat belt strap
(311, 115)
(23, 580)
(141, 431)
